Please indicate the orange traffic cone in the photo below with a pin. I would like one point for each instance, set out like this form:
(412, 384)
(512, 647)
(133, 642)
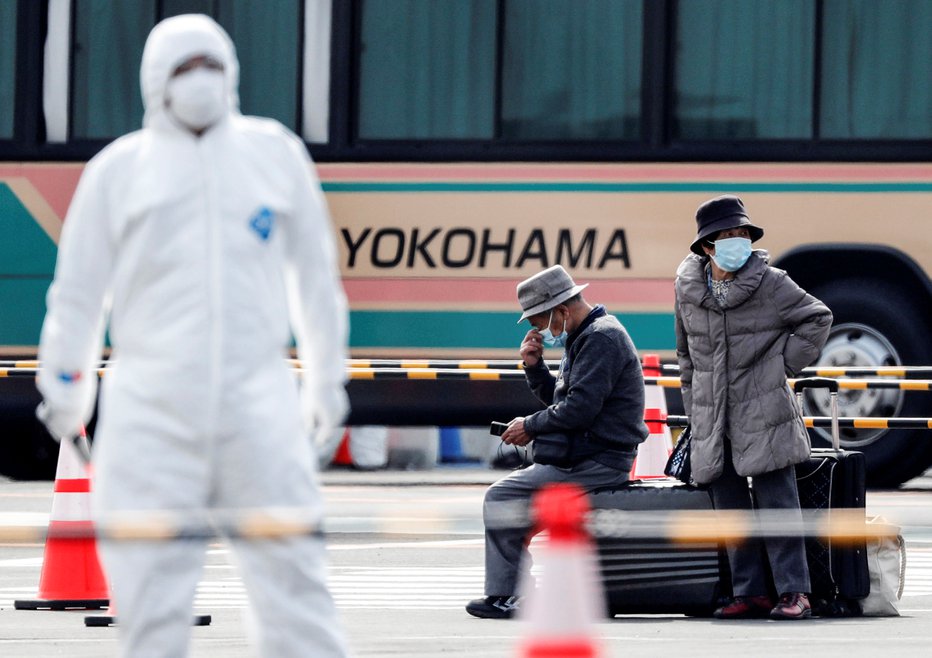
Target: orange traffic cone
(654, 452)
(560, 614)
(71, 574)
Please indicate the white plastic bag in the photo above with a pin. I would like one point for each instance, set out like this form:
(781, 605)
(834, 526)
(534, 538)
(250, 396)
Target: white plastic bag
(886, 562)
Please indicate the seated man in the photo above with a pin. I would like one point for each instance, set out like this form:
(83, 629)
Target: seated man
(588, 435)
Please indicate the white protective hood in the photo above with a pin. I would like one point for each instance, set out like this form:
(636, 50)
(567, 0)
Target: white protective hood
(172, 235)
(171, 43)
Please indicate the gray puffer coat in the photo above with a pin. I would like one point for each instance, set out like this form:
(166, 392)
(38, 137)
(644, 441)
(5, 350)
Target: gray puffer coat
(734, 361)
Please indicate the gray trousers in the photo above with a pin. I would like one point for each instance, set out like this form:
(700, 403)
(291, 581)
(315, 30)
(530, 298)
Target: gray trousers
(748, 559)
(505, 512)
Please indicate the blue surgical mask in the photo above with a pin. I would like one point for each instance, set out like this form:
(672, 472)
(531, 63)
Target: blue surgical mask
(549, 339)
(732, 253)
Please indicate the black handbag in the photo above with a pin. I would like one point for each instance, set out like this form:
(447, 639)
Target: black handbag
(678, 464)
(563, 450)
(552, 450)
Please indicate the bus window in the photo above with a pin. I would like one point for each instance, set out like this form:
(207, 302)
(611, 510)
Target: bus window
(427, 69)
(568, 70)
(864, 100)
(107, 49)
(267, 44)
(7, 67)
(572, 70)
(744, 69)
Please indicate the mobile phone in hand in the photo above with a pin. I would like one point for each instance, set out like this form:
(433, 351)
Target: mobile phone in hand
(497, 428)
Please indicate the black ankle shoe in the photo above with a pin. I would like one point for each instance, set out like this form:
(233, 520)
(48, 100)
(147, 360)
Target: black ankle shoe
(494, 607)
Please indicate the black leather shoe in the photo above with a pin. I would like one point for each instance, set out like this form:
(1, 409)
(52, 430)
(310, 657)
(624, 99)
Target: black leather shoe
(494, 607)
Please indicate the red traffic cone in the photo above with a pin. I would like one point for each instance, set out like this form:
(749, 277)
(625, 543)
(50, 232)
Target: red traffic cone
(654, 395)
(71, 574)
(653, 453)
(560, 613)
(343, 457)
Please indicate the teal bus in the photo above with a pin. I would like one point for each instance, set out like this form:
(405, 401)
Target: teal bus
(466, 144)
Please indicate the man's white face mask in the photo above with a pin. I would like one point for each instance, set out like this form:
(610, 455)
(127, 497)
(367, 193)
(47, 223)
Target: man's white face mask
(197, 98)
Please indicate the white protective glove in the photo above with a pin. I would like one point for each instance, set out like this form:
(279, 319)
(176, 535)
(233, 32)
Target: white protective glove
(329, 406)
(61, 423)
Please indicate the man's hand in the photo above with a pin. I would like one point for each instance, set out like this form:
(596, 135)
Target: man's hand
(330, 406)
(61, 423)
(516, 435)
(532, 348)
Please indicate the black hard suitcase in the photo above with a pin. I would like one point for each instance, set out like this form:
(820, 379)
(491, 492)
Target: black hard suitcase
(833, 479)
(656, 576)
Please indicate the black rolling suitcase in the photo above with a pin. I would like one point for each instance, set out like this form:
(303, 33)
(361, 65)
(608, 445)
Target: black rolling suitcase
(656, 576)
(833, 479)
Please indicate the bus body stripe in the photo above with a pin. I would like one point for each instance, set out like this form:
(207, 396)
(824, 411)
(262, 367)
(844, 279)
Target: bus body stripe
(335, 187)
(389, 292)
(406, 171)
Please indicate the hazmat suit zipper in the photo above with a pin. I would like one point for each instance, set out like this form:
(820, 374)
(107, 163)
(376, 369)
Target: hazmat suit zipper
(215, 288)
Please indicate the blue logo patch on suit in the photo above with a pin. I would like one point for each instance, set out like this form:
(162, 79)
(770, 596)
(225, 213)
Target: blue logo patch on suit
(262, 222)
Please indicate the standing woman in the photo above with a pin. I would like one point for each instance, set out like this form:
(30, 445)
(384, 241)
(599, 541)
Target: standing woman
(742, 328)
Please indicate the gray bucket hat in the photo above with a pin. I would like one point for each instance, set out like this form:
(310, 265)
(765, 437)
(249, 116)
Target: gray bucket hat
(545, 290)
(721, 213)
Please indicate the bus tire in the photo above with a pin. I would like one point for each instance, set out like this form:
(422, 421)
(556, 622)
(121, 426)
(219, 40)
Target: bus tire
(903, 321)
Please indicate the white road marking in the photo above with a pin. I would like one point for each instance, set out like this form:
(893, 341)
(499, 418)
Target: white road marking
(399, 587)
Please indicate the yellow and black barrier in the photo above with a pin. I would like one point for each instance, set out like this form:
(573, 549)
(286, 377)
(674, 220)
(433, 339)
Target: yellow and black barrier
(443, 364)
(434, 373)
(505, 364)
(422, 370)
(853, 371)
(423, 396)
(459, 364)
(860, 423)
(19, 364)
(865, 423)
(18, 372)
(675, 525)
(904, 372)
(850, 384)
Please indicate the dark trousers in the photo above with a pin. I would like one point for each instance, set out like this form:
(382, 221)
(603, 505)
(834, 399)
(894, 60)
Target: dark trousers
(748, 559)
(507, 560)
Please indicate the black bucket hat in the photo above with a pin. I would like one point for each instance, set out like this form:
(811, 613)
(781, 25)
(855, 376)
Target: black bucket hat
(721, 213)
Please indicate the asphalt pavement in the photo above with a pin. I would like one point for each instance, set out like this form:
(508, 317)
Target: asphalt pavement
(406, 553)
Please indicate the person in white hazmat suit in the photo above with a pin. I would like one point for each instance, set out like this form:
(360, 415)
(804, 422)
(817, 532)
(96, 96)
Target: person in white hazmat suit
(205, 239)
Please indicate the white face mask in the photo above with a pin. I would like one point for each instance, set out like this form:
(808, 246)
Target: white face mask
(549, 339)
(197, 98)
(732, 253)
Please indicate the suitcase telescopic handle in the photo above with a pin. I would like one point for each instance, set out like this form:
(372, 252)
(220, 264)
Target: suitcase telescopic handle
(815, 382)
(822, 382)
